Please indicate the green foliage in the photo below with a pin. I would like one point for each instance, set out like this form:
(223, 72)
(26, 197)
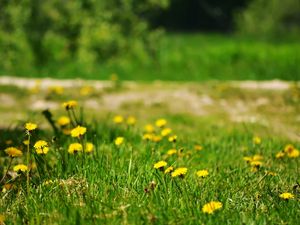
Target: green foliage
(37, 33)
(270, 18)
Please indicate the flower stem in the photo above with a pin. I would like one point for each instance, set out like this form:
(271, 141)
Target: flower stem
(5, 174)
(28, 168)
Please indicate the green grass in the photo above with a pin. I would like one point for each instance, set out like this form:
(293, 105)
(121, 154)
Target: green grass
(191, 57)
(118, 185)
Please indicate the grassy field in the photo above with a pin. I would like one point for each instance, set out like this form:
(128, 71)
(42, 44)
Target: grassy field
(191, 57)
(234, 133)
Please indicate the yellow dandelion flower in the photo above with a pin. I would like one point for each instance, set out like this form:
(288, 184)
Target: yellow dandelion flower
(131, 120)
(256, 140)
(119, 141)
(165, 132)
(169, 169)
(86, 90)
(172, 138)
(211, 207)
(160, 164)
(198, 147)
(147, 137)
(56, 90)
(149, 128)
(202, 173)
(293, 154)
(256, 163)
(118, 119)
(40, 144)
(74, 147)
(20, 167)
(171, 151)
(179, 172)
(156, 138)
(280, 155)
(257, 157)
(26, 142)
(89, 147)
(289, 148)
(247, 159)
(63, 121)
(41, 147)
(286, 196)
(30, 126)
(13, 152)
(78, 131)
(70, 104)
(160, 123)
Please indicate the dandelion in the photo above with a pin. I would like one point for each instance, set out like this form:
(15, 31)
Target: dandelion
(119, 141)
(160, 165)
(131, 120)
(20, 167)
(149, 128)
(26, 142)
(256, 140)
(198, 147)
(70, 104)
(169, 169)
(30, 126)
(165, 132)
(179, 172)
(247, 159)
(291, 151)
(41, 147)
(172, 138)
(202, 173)
(86, 90)
(286, 196)
(160, 123)
(156, 138)
(89, 147)
(293, 154)
(289, 148)
(118, 119)
(171, 152)
(13, 152)
(211, 207)
(63, 121)
(256, 163)
(280, 155)
(147, 137)
(257, 157)
(74, 147)
(56, 90)
(78, 131)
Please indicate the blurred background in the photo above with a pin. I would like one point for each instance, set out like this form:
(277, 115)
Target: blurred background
(144, 40)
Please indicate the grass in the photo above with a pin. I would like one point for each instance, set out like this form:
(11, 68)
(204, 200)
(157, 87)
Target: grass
(191, 57)
(118, 184)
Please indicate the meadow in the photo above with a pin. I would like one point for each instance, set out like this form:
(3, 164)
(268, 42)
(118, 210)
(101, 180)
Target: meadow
(150, 153)
(188, 57)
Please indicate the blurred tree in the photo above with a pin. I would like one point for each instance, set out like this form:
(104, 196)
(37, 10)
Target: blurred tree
(270, 18)
(38, 32)
(195, 15)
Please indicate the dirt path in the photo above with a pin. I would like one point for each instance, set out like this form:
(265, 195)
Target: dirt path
(266, 103)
